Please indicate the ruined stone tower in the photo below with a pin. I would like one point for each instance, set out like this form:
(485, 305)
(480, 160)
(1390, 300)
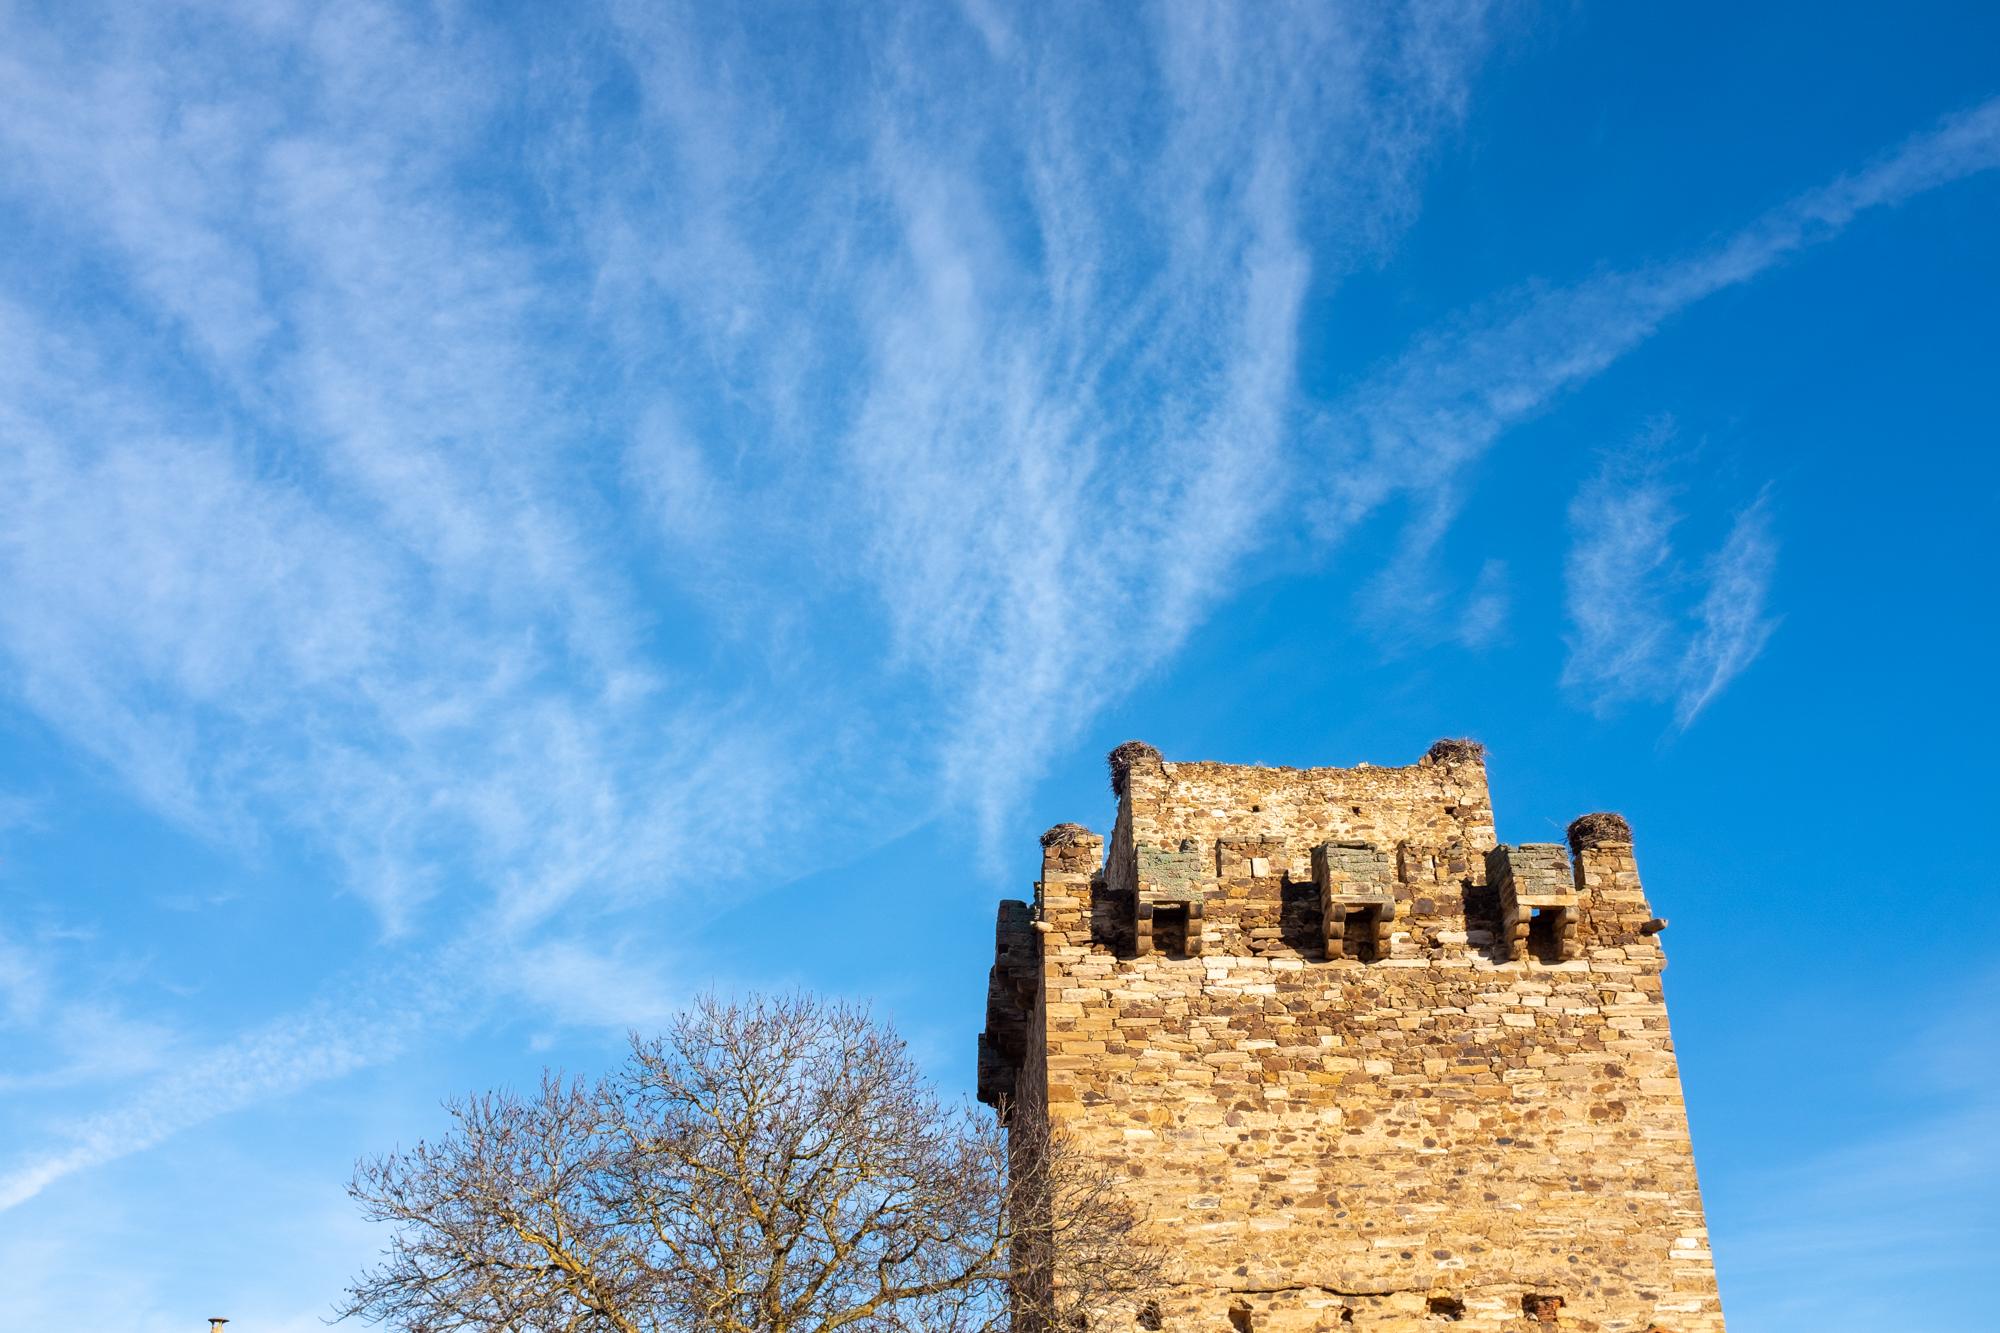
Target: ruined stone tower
(1362, 1065)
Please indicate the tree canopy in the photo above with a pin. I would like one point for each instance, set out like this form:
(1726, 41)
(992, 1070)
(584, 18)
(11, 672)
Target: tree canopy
(767, 1166)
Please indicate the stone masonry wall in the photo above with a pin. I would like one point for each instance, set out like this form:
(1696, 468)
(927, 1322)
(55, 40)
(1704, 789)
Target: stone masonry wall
(1452, 1132)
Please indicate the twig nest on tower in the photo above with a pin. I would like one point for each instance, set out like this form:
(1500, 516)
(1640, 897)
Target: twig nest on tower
(1455, 750)
(1067, 835)
(1604, 826)
(1121, 760)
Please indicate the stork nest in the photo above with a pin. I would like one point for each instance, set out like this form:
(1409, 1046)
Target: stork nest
(1120, 762)
(1067, 835)
(1458, 750)
(1589, 830)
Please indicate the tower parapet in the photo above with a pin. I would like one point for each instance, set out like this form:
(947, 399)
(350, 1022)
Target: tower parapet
(1536, 888)
(1356, 883)
(1364, 1064)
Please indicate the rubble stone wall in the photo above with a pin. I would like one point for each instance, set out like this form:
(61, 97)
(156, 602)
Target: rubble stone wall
(1437, 1135)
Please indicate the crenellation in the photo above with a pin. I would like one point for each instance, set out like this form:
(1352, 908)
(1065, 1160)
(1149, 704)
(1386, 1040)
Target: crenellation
(1538, 896)
(1010, 998)
(1364, 1065)
(1357, 889)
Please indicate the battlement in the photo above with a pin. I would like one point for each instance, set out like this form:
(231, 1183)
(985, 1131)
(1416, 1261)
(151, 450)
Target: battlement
(1367, 1062)
(1437, 807)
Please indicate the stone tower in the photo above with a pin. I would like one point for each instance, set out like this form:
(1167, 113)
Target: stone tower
(1362, 1065)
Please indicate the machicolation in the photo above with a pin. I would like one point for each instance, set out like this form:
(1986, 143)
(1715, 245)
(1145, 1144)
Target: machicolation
(1364, 1065)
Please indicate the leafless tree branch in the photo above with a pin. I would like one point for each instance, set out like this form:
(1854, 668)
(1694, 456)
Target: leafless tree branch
(766, 1166)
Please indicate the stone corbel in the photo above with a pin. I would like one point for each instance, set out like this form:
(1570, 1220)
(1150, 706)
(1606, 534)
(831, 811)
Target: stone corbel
(1533, 880)
(1171, 884)
(1356, 881)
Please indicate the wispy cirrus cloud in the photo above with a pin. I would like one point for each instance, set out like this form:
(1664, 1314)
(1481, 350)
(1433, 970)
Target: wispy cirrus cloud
(1411, 430)
(157, 1078)
(271, 1059)
(1013, 396)
(1734, 621)
(353, 587)
(79, 1034)
(558, 477)
(1055, 272)
(1643, 624)
(508, 539)
(294, 543)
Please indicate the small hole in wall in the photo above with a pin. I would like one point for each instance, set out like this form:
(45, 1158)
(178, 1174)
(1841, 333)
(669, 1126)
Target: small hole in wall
(1358, 936)
(1545, 934)
(1239, 1318)
(1543, 1307)
(1256, 809)
(1149, 1315)
(1355, 808)
(1172, 929)
(1448, 1308)
(1346, 1314)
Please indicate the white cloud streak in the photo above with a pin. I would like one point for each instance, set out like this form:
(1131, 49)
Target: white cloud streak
(1734, 622)
(267, 1061)
(293, 533)
(1413, 428)
(1630, 639)
(356, 600)
(1067, 334)
(1616, 573)
(785, 447)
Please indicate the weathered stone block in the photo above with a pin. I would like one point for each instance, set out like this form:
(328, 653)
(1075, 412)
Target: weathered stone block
(1466, 1113)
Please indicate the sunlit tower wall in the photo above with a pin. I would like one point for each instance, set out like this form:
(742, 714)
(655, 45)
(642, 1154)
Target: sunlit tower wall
(1360, 1063)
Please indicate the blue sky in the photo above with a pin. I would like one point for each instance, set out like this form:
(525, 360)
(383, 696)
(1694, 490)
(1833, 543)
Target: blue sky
(510, 515)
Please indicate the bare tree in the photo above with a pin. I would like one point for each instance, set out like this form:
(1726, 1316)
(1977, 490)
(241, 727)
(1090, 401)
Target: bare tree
(763, 1167)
